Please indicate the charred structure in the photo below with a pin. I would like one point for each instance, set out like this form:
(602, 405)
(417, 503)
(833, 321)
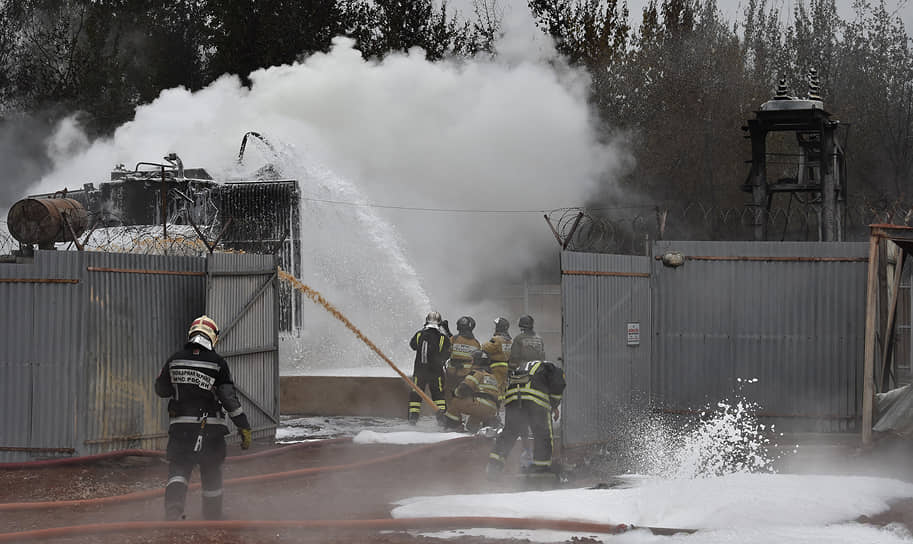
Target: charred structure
(250, 216)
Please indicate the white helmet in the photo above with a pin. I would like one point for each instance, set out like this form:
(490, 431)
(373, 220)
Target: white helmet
(203, 331)
(433, 318)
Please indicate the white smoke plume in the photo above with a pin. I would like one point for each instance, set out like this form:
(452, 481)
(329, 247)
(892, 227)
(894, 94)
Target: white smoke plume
(501, 140)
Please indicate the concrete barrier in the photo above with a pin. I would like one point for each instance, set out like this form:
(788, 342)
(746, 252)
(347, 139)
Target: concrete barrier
(344, 396)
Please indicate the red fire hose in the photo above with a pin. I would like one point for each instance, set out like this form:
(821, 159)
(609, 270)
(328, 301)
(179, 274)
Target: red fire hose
(401, 524)
(150, 493)
(49, 463)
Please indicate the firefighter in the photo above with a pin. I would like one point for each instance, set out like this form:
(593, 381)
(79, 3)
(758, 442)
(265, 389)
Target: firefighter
(532, 399)
(527, 346)
(498, 349)
(199, 385)
(432, 349)
(477, 396)
(462, 347)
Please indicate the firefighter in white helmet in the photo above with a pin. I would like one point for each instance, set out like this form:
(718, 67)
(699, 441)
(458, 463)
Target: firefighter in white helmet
(432, 349)
(199, 385)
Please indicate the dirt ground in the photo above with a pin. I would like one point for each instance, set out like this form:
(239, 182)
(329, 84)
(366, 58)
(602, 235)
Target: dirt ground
(366, 492)
(382, 475)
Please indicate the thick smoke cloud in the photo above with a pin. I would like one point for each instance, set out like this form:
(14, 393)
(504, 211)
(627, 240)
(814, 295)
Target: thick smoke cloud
(23, 153)
(502, 138)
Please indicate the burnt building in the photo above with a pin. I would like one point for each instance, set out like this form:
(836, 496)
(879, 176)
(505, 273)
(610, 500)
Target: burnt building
(258, 215)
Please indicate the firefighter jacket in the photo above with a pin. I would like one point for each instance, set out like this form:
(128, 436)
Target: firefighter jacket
(461, 351)
(527, 346)
(432, 349)
(498, 350)
(541, 382)
(481, 385)
(198, 382)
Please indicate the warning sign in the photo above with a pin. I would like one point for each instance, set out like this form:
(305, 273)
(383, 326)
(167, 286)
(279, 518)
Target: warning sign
(634, 334)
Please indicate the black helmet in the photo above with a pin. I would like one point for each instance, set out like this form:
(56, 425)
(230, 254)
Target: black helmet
(502, 324)
(466, 324)
(526, 323)
(480, 358)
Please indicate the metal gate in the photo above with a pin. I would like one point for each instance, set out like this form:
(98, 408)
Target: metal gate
(242, 297)
(777, 323)
(606, 315)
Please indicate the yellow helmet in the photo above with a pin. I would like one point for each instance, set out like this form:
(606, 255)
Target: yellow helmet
(206, 326)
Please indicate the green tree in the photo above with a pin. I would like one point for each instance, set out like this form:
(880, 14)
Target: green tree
(380, 27)
(245, 35)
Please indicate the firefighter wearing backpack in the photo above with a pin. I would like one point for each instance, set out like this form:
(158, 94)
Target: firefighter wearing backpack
(533, 396)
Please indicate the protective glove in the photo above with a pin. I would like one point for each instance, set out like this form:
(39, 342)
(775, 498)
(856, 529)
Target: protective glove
(246, 437)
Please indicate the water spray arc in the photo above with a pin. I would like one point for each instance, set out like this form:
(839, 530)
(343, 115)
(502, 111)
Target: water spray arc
(318, 299)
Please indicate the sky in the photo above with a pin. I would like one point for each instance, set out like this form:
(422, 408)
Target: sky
(733, 9)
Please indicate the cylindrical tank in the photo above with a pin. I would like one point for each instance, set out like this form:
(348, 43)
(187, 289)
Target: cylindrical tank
(40, 220)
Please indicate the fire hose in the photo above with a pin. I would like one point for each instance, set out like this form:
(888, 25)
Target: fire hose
(437, 523)
(151, 493)
(86, 459)
(400, 524)
(318, 298)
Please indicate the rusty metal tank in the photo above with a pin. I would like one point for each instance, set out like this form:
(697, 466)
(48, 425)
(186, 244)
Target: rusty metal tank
(41, 220)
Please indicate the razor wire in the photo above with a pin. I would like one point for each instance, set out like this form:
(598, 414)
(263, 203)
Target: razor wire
(601, 230)
(619, 230)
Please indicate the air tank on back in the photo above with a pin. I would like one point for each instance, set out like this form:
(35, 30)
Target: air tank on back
(44, 221)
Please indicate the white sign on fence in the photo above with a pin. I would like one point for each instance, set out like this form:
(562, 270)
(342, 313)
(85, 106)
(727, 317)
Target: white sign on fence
(634, 334)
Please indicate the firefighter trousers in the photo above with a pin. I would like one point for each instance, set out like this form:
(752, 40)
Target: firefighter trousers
(432, 379)
(520, 417)
(480, 413)
(181, 460)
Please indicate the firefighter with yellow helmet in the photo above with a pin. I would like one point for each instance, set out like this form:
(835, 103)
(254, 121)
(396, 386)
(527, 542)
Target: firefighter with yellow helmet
(198, 384)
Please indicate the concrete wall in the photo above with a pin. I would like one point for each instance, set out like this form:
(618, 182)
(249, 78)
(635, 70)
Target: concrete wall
(344, 396)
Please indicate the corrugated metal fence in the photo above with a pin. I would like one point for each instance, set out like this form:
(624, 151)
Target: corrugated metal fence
(608, 374)
(85, 333)
(789, 314)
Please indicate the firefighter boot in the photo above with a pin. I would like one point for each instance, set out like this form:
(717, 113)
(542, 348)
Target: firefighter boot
(448, 421)
(175, 495)
(212, 504)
